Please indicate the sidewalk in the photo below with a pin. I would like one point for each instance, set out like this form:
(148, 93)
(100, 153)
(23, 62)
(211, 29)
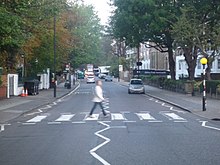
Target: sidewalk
(186, 102)
(16, 106)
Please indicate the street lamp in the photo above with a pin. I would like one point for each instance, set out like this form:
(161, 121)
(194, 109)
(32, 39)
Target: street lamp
(54, 49)
(204, 61)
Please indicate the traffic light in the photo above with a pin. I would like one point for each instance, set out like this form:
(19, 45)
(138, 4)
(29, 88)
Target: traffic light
(139, 63)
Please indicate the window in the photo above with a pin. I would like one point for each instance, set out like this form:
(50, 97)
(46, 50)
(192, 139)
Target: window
(218, 63)
(136, 82)
(179, 65)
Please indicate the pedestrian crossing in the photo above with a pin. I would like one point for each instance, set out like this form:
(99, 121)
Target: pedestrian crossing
(122, 116)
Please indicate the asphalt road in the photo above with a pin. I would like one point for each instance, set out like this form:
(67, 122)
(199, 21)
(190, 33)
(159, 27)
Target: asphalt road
(139, 131)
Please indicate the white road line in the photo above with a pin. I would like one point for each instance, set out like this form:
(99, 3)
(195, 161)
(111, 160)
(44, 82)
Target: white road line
(28, 123)
(107, 140)
(117, 116)
(79, 122)
(65, 117)
(173, 116)
(50, 123)
(36, 119)
(145, 116)
(3, 127)
(94, 118)
(204, 125)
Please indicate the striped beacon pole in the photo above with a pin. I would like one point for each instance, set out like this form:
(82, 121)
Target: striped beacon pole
(204, 61)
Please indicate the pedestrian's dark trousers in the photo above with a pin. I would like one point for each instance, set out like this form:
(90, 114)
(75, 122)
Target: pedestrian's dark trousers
(94, 106)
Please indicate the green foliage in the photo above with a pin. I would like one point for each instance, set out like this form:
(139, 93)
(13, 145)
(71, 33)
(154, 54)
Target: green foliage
(197, 28)
(218, 88)
(211, 86)
(140, 21)
(87, 31)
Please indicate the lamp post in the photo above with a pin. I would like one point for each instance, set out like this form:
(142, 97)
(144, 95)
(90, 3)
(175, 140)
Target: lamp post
(204, 61)
(54, 44)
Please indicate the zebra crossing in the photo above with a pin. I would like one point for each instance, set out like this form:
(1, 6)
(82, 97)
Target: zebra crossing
(122, 116)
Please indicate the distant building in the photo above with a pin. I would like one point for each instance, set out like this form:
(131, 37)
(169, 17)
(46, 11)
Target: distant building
(151, 58)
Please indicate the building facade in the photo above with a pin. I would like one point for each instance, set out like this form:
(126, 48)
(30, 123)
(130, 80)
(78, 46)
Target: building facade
(181, 65)
(150, 58)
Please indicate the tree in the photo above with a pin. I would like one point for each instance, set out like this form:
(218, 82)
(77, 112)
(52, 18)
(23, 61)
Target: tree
(23, 22)
(139, 21)
(86, 29)
(197, 31)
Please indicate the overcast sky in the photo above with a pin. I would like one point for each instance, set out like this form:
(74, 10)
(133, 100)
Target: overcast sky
(102, 7)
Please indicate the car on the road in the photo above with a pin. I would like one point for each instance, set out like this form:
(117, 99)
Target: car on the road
(102, 75)
(136, 86)
(108, 78)
(90, 79)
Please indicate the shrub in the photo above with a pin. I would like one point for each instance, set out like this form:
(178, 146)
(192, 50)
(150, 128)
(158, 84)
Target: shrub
(218, 88)
(197, 85)
(211, 86)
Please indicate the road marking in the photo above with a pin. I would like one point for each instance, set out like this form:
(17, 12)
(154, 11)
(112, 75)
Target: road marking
(3, 127)
(65, 117)
(145, 116)
(173, 116)
(117, 116)
(36, 119)
(107, 140)
(28, 123)
(79, 122)
(95, 117)
(204, 125)
(53, 122)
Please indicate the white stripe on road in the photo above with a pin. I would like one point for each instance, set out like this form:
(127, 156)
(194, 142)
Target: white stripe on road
(50, 123)
(173, 116)
(145, 116)
(79, 122)
(204, 125)
(93, 118)
(36, 119)
(65, 117)
(117, 116)
(3, 127)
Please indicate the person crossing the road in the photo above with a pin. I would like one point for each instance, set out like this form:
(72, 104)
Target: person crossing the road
(98, 99)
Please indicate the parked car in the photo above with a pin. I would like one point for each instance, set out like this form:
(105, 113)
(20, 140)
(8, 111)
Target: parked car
(108, 78)
(90, 79)
(136, 86)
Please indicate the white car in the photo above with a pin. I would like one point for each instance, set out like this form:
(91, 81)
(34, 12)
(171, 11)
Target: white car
(102, 76)
(90, 79)
(136, 86)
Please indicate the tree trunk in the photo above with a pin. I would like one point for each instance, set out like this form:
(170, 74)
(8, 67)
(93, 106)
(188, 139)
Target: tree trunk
(208, 71)
(191, 59)
(170, 57)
